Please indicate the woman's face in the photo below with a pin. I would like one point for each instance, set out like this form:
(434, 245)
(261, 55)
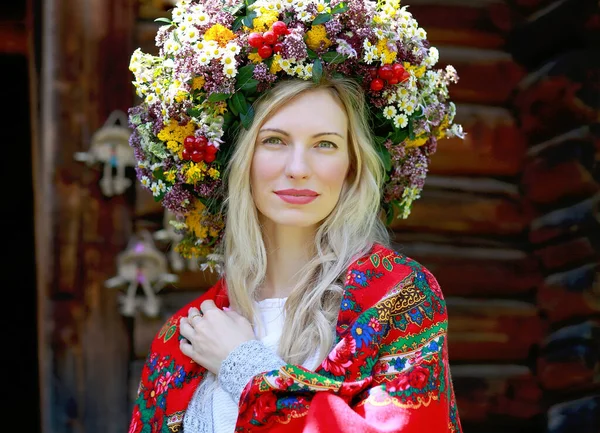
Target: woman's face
(301, 159)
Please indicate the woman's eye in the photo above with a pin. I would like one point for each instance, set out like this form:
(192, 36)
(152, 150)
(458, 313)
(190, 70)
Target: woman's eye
(327, 145)
(272, 140)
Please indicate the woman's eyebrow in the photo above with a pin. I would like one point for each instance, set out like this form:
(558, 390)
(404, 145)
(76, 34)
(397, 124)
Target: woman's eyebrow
(282, 132)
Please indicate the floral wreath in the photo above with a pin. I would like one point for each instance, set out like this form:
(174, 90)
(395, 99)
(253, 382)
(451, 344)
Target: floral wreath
(216, 58)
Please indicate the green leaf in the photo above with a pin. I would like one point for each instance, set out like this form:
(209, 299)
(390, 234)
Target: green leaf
(238, 100)
(237, 24)
(389, 214)
(317, 71)
(385, 158)
(249, 18)
(340, 8)
(163, 20)
(398, 135)
(250, 85)
(232, 108)
(334, 57)
(247, 117)
(216, 97)
(193, 112)
(321, 18)
(311, 54)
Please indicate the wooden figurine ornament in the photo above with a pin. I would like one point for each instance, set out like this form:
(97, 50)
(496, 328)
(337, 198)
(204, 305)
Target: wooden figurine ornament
(110, 146)
(141, 264)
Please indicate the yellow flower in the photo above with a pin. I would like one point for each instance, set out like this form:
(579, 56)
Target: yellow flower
(175, 147)
(275, 66)
(219, 33)
(194, 219)
(221, 107)
(417, 142)
(181, 96)
(316, 38)
(214, 173)
(255, 58)
(417, 71)
(195, 172)
(441, 131)
(387, 56)
(173, 131)
(265, 20)
(170, 175)
(198, 83)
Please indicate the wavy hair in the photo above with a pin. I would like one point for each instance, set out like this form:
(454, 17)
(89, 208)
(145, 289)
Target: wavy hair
(348, 232)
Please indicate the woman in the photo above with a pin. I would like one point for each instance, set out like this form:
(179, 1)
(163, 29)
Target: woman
(353, 334)
(323, 115)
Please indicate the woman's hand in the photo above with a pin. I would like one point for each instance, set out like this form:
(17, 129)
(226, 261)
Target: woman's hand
(211, 334)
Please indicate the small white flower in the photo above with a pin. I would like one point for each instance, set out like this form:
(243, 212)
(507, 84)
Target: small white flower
(145, 181)
(228, 60)
(230, 71)
(389, 112)
(400, 121)
(232, 48)
(203, 58)
(178, 14)
(421, 33)
(202, 18)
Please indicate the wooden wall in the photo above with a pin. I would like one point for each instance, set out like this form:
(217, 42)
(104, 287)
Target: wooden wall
(508, 220)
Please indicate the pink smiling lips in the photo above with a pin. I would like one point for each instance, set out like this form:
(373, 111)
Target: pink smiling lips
(297, 196)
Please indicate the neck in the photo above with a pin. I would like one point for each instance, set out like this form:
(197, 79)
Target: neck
(289, 249)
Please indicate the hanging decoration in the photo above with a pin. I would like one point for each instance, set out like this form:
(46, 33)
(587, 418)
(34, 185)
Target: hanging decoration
(110, 147)
(141, 264)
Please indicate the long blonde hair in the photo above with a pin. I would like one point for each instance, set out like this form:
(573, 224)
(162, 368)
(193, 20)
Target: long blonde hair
(349, 231)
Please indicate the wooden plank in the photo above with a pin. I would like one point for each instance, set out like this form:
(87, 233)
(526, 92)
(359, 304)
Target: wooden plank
(84, 342)
(571, 295)
(493, 145)
(568, 221)
(477, 271)
(470, 206)
(567, 254)
(492, 330)
(482, 24)
(558, 96)
(488, 393)
(569, 358)
(487, 77)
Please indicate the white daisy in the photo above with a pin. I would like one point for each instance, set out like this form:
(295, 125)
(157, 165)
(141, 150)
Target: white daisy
(389, 112)
(400, 121)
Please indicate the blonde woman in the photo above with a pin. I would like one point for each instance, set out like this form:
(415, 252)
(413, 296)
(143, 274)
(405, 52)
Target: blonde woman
(317, 325)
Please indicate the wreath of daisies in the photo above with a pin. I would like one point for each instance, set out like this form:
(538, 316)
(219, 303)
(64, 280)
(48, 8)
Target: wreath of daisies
(215, 58)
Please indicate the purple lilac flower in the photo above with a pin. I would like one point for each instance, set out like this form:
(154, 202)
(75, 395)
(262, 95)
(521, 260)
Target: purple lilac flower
(207, 189)
(161, 35)
(333, 27)
(293, 46)
(262, 74)
(177, 199)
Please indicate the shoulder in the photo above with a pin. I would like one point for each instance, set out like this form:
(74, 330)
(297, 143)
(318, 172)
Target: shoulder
(384, 274)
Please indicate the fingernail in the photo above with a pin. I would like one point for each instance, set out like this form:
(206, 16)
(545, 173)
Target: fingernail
(226, 308)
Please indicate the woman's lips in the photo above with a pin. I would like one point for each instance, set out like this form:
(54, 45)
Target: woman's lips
(297, 196)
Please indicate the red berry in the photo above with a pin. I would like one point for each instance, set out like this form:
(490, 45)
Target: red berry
(211, 150)
(197, 156)
(398, 70)
(377, 84)
(405, 76)
(279, 28)
(189, 141)
(200, 143)
(210, 157)
(386, 72)
(277, 47)
(265, 51)
(269, 37)
(255, 40)
(393, 80)
(186, 154)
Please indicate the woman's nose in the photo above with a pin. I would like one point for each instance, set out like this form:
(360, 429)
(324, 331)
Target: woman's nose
(297, 164)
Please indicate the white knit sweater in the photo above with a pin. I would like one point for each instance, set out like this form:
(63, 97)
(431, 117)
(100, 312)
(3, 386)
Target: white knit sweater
(214, 406)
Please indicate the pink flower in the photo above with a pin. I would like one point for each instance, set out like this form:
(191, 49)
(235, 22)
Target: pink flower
(340, 357)
(374, 323)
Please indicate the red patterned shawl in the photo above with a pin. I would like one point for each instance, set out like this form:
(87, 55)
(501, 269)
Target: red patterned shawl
(388, 371)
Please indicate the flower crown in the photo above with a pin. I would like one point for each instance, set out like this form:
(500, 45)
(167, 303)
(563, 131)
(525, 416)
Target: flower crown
(215, 59)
